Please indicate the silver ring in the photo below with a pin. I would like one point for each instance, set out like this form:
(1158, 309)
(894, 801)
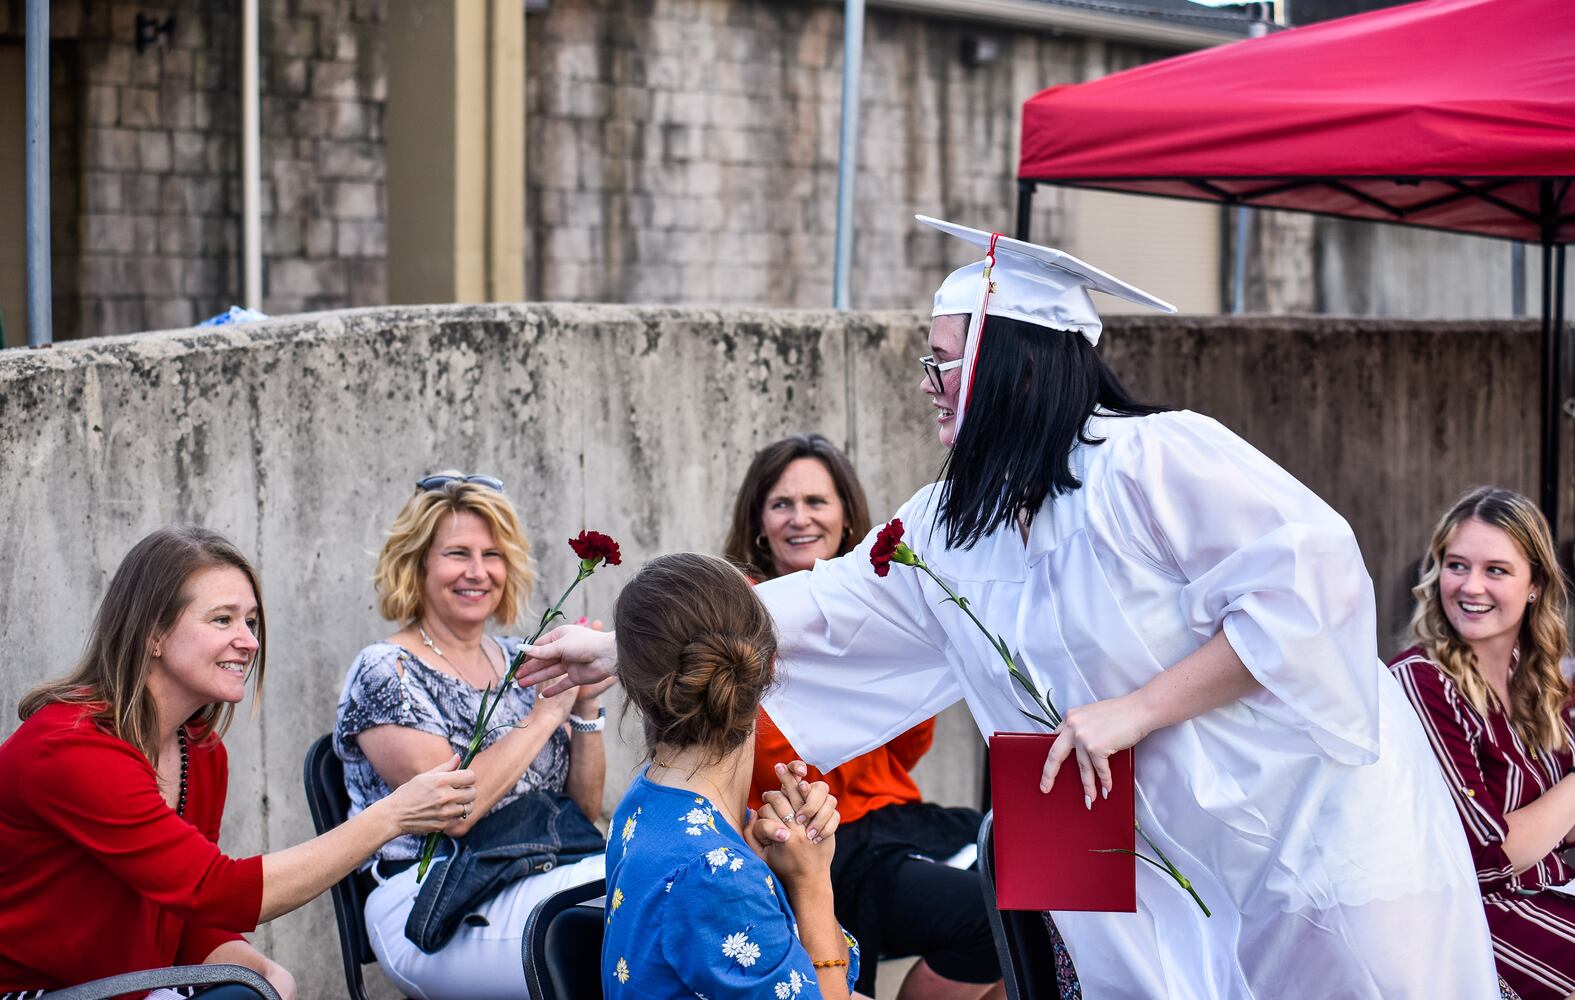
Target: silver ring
(466, 814)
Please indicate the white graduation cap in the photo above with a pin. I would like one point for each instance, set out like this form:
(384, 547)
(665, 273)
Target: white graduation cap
(1028, 282)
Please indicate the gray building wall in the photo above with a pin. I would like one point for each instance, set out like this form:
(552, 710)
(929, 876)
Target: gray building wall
(677, 151)
(300, 439)
(145, 154)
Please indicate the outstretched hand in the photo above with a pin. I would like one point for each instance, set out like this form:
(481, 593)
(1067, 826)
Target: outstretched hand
(569, 655)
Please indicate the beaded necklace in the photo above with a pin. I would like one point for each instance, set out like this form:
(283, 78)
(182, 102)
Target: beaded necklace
(180, 803)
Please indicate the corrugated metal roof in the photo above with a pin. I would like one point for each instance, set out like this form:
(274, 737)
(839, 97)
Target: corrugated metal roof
(1234, 19)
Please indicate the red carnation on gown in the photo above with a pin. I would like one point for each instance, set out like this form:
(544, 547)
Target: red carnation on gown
(885, 547)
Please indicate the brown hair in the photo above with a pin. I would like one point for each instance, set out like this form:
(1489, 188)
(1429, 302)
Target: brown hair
(402, 564)
(743, 545)
(145, 597)
(1538, 691)
(695, 652)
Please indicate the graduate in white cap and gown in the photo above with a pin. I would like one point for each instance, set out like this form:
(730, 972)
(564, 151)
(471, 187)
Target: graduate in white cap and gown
(1175, 591)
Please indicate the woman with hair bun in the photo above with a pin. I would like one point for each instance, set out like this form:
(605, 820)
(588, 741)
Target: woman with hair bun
(801, 502)
(705, 897)
(1484, 676)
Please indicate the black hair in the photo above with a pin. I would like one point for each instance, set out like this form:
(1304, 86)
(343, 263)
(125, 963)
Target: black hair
(1033, 392)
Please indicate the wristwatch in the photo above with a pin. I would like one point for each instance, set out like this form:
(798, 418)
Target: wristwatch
(595, 725)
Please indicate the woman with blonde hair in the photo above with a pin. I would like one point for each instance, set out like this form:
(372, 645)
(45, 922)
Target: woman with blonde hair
(112, 791)
(455, 559)
(1490, 626)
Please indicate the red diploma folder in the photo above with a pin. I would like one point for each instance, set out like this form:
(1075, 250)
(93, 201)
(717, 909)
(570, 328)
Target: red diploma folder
(1045, 845)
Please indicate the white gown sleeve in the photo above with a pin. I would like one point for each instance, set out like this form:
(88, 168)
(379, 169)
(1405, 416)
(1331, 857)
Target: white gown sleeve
(860, 658)
(1263, 558)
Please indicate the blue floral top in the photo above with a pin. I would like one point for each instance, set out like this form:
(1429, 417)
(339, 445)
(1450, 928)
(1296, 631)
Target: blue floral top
(693, 912)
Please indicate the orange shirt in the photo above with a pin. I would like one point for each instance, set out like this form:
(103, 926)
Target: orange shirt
(862, 785)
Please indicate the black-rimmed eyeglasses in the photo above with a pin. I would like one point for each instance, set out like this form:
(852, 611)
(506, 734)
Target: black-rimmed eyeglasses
(933, 370)
(442, 479)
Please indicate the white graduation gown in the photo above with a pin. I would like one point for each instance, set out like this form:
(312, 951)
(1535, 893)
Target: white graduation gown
(1311, 816)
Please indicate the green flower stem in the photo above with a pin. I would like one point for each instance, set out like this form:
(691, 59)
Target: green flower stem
(480, 728)
(995, 640)
(1164, 865)
(907, 557)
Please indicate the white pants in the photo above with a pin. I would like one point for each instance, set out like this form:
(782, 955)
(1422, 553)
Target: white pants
(478, 963)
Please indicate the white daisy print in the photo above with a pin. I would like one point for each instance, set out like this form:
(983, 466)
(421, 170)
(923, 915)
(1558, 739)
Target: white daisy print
(716, 858)
(740, 949)
(793, 987)
(698, 817)
(735, 864)
(628, 827)
(693, 831)
(622, 971)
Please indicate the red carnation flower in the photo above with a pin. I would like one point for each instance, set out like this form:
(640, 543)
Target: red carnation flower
(593, 546)
(885, 547)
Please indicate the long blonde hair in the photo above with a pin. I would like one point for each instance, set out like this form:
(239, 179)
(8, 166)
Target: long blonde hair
(145, 597)
(401, 565)
(1538, 690)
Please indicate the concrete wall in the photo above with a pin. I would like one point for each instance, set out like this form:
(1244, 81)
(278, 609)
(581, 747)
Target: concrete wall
(300, 439)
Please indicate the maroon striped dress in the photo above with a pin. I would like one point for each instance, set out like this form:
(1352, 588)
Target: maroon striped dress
(1490, 772)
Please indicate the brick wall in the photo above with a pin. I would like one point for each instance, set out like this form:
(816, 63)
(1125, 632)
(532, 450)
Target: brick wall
(686, 150)
(146, 158)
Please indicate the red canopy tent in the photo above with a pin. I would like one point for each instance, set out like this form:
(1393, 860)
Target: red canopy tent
(1448, 114)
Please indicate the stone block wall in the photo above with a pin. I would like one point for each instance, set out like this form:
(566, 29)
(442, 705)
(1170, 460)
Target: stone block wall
(686, 150)
(146, 155)
(678, 151)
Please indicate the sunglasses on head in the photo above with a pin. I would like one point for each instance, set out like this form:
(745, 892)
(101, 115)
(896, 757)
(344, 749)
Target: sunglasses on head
(442, 479)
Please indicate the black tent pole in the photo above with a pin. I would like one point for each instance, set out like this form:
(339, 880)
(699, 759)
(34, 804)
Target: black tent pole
(1550, 427)
(1025, 206)
(1559, 353)
(1550, 369)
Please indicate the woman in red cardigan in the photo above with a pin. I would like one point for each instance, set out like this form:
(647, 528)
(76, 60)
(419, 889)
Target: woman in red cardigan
(112, 790)
(801, 501)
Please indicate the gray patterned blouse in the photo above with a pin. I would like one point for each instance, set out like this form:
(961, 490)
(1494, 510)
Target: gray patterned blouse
(389, 685)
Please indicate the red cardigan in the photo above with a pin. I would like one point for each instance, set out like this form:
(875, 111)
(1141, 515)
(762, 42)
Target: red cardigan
(98, 875)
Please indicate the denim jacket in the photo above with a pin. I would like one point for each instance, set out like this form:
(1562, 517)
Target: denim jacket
(534, 833)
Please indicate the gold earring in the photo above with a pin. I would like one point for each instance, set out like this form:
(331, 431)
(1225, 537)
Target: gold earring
(760, 541)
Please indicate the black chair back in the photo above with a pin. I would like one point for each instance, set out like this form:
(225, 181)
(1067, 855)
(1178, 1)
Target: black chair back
(330, 805)
(1021, 941)
(563, 944)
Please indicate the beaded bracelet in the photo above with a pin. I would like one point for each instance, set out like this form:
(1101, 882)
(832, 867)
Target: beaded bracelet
(829, 963)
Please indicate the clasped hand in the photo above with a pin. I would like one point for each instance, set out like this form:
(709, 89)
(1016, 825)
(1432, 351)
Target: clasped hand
(794, 832)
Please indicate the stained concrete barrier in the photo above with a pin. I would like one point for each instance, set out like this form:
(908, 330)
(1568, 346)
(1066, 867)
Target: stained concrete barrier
(300, 438)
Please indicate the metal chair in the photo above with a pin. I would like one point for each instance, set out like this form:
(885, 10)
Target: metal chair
(562, 946)
(330, 805)
(154, 979)
(1021, 941)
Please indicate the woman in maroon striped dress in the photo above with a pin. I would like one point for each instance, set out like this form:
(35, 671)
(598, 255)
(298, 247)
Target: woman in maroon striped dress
(1485, 678)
